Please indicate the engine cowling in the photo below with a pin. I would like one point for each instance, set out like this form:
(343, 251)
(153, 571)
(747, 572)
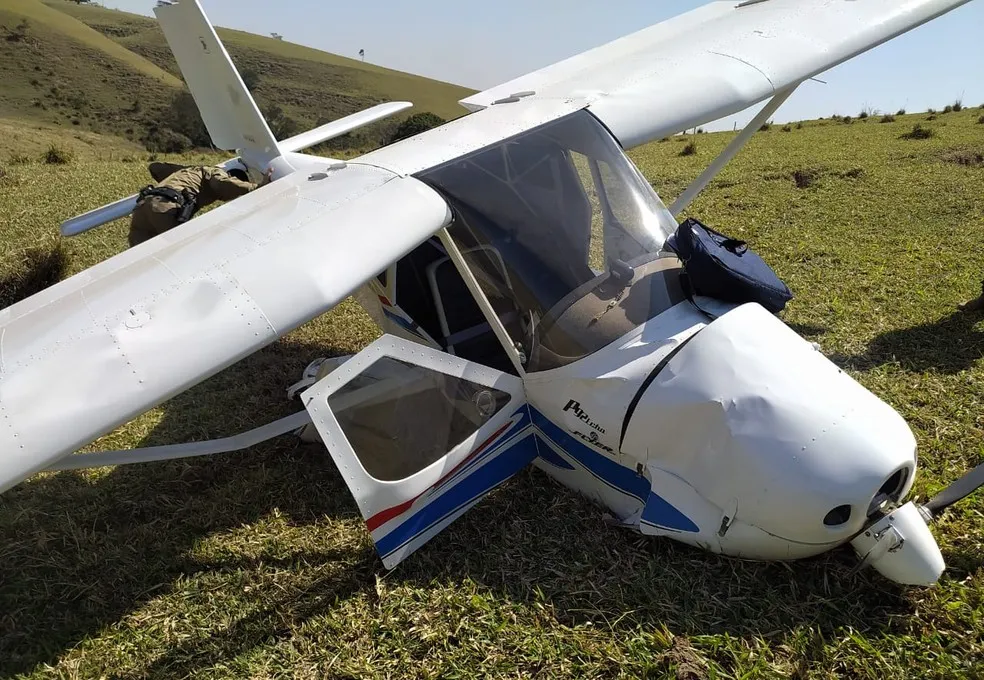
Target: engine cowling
(757, 421)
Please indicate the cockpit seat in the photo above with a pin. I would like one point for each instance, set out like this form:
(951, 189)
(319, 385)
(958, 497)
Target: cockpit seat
(464, 329)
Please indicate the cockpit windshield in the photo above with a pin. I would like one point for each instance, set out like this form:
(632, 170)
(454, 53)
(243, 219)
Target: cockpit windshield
(564, 236)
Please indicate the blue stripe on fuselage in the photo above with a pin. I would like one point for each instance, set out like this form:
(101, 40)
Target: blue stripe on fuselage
(400, 321)
(605, 469)
(502, 466)
(657, 512)
(512, 454)
(547, 454)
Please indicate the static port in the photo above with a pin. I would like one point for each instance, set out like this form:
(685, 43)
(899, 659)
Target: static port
(838, 516)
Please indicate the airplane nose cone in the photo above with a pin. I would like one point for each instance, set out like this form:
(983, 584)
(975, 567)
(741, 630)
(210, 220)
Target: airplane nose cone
(748, 410)
(901, 548)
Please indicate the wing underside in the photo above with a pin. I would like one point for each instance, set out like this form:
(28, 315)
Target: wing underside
(716, 60)
(95, 350)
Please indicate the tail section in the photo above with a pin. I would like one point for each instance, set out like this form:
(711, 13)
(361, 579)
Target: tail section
(230, 114)
(233, 120)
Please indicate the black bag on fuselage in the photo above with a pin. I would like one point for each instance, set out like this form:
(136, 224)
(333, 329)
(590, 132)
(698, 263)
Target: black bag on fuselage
(724, 268)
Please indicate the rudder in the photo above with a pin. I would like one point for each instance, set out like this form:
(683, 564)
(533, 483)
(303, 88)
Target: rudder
(227, 108)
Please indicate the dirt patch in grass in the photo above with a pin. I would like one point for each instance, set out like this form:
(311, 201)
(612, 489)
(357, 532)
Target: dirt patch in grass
(968, 157)
(690, 149)
(806, 177)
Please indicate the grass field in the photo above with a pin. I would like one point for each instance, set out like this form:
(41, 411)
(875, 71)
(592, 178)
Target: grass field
(258, 565)
(61, 72)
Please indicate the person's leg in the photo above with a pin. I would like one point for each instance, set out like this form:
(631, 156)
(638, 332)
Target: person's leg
(139, 227)
(975, 305)
(150, 218)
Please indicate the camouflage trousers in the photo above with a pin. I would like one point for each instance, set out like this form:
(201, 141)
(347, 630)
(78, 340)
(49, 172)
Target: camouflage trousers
(153, 216)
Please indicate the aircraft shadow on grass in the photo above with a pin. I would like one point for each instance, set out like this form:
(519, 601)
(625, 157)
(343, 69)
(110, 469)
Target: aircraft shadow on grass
(79, 555)
(950, 344)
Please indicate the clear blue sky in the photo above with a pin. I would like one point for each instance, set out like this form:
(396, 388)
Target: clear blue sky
(480, 44)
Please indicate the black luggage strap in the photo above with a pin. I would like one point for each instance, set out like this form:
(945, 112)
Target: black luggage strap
(690, 292)
(189, 208)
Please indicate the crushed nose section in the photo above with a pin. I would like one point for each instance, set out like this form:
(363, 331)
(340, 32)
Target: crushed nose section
(749, 411)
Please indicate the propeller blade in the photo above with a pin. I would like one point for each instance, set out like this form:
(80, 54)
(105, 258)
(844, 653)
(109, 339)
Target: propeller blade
(958, 490)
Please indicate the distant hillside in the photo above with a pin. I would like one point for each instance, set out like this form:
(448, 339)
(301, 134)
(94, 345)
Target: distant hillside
(109, 71)
(55, 69)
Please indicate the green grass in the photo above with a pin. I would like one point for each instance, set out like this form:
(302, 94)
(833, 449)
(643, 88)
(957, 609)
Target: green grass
(258, 565)
(65, 74)
(29, 139)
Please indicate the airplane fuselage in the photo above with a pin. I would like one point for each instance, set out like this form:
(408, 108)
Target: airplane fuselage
(596, 433)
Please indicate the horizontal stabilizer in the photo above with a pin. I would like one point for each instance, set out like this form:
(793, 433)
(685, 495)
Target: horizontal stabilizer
(99, 216)
(337, 128)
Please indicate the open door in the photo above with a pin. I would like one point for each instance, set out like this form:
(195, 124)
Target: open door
(419, 436)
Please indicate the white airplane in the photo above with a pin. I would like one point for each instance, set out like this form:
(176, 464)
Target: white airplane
(517, 262)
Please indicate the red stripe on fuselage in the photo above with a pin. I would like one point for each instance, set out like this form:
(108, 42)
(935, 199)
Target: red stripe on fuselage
(383, 516)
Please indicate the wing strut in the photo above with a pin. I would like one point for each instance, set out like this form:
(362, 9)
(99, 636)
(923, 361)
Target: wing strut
(151, 454)
(690, 193)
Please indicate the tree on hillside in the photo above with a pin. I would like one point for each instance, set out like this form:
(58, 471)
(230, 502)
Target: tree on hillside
(251, 78)
(415, 124)
(183, 117)
(18, 32)
(281, 125)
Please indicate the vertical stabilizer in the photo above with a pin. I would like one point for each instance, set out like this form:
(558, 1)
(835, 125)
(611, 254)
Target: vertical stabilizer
(233, 120)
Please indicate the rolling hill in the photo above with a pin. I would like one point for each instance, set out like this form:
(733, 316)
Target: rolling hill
(67, 64)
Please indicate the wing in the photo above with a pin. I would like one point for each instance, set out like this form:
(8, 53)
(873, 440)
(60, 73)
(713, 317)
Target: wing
(90, 353)
(716, 60)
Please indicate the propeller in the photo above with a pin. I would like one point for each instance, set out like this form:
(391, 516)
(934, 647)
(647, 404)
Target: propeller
(956, 491)
(897, 541)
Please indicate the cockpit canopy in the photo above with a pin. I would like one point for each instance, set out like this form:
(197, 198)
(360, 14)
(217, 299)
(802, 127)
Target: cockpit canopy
(564, 236)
